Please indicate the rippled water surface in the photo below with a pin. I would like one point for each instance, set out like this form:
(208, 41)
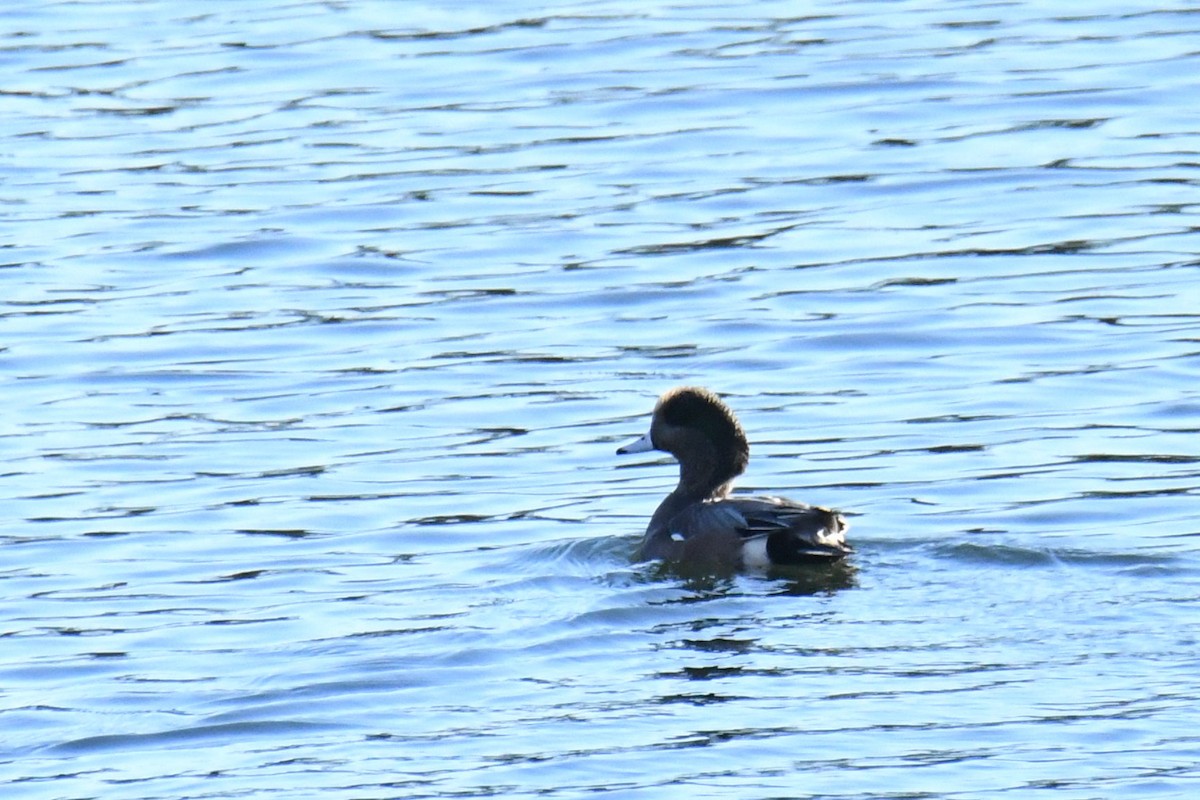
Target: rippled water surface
(321, 322)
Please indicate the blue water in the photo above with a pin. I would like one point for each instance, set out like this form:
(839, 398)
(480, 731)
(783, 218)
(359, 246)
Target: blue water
(320, 323)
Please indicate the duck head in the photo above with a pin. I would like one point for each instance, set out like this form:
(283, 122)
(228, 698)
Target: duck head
(701, 432)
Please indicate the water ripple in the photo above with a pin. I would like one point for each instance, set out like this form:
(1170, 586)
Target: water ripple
(321, 324)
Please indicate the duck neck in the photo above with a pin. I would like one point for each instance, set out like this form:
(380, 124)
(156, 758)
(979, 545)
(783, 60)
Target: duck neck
(709, 476)
(695, 486)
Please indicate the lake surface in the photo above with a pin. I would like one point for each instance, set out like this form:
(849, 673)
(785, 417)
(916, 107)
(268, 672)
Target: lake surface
(320, 323)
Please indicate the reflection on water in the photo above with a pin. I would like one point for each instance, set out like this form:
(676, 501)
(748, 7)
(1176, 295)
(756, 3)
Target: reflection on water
(782, 580)
(321, 322)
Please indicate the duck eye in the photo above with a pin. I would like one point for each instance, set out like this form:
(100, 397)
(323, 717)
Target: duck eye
(673, 415)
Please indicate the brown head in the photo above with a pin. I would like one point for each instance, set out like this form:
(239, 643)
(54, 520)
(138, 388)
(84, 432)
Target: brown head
(696, 427)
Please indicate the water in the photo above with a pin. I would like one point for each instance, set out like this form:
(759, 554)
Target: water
(321, 322)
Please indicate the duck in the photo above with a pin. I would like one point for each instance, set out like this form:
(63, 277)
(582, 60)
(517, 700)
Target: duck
(701, 525)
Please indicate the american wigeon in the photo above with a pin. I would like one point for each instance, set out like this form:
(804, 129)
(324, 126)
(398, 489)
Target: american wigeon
(699, 525)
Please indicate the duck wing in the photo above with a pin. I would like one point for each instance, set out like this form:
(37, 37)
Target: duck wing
(770, 530)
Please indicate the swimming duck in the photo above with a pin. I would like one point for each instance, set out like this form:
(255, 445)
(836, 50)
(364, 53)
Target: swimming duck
(699, 525)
